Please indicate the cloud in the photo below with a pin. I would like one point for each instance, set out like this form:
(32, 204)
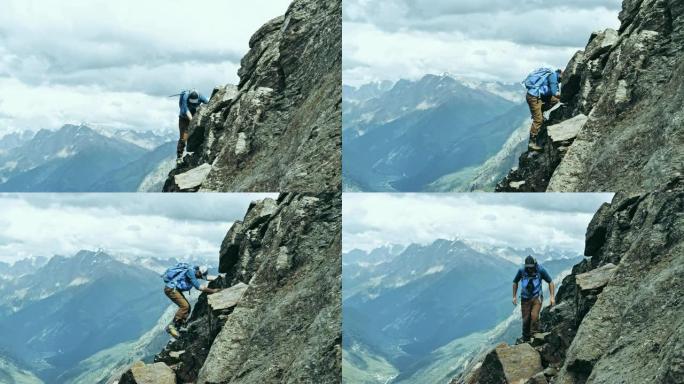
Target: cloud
(488, 40)
(195, 207)
(51, 106)
(152, 48)
(148, 225)
(533, 220)
(547, 202)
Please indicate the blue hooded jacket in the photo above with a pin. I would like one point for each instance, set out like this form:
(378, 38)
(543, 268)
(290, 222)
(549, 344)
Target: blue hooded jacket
(185, 281)
(185, 106)
(549, 87)
(536, 280)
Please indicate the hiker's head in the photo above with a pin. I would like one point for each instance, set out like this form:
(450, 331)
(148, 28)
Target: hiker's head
(201, 272)
(193, 97)
(530, 264)
(559, 72)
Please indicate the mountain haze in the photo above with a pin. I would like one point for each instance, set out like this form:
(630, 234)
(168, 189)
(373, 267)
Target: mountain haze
(407, 137)
(74, 307)
(81, 159)
(409, 314)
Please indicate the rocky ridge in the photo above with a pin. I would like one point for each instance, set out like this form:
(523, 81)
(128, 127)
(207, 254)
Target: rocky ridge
(277, 320)
(621, 305)
(622, 116)
(280, 128)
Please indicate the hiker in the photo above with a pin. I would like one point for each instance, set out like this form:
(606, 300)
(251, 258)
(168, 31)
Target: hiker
(543, 92)
(531, 298)
(188, 102)
(178, 279)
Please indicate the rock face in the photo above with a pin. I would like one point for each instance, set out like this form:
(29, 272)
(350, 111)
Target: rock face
(535, 169)
(227, 298)
(510, 364)
(625, 82)
(280, 128)
(623, 303)
(140, 373)
(278, 318)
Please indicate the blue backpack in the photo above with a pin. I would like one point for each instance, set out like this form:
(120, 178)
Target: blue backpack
(536, 81)
(531, 284)
(172, 273)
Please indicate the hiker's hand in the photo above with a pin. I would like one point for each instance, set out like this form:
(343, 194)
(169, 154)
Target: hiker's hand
(189, 115)
(515, 301)
(552, 301)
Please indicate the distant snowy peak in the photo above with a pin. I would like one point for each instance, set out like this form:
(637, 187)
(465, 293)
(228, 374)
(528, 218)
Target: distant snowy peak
(514, 92)
(517, 255)
(14, 139)
(144, 139)
(365, 92)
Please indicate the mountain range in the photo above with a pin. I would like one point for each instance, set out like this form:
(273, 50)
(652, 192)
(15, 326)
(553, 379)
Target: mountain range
(83, 159)
(55, 317)
(433, 134)
(402, 311)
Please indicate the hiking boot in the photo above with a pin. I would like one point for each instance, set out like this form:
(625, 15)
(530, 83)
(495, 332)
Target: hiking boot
(173, 331)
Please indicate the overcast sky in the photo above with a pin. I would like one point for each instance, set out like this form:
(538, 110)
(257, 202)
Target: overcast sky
(159, 225)
(112, 63)
(484, 39)
(542, 220)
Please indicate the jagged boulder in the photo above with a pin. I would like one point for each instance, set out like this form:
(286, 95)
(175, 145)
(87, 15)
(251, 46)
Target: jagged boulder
(191, 180)
(514, 364)
(564, 132)
(596, 278)
(245, 231)
(227, 298)
(141, 373)
(624, 82)
(280, 128)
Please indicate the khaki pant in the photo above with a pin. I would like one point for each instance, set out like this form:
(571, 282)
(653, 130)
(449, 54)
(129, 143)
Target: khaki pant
(183, 305)
(183, 124)
(537, 108)
(530, 316)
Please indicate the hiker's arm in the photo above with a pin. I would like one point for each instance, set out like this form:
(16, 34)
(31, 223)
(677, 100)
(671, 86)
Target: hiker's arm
(193, 280)
(552, 287)
(203, 99)
(515, 293)
(184, 111)
(208, 290)
(518, 276)
(553, 84)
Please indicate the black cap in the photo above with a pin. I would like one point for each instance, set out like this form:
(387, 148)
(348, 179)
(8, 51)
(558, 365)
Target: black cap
(193, 97)
(530, 261)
